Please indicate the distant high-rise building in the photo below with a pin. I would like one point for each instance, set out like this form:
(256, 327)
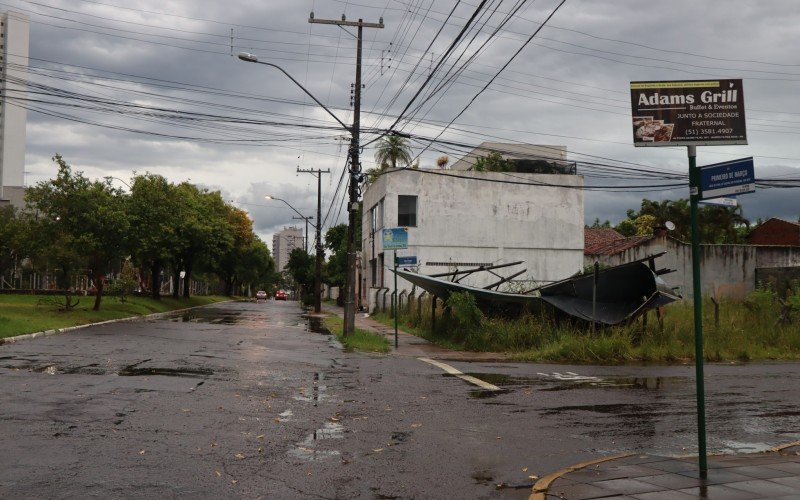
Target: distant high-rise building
(283, 243)
(14, 29)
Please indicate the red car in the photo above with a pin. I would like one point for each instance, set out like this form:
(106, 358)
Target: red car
(280, 295)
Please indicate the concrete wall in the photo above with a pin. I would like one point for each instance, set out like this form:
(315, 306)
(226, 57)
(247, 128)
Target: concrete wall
(725, 270)
(469, 221)
(15, 30)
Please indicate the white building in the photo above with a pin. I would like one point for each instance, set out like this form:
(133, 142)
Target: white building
(283, 243)
(464, 219)
(14, 30)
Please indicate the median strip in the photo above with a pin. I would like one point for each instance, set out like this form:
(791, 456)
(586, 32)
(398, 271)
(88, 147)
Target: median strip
(467, 378)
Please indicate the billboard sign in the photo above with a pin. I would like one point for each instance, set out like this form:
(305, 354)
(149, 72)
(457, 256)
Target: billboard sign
(395, 238)
(727, 179)
(688, 113)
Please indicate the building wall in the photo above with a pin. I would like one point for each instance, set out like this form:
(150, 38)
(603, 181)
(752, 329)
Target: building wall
(725, 270)
(283, 243)
(15, 29)
(467, 221)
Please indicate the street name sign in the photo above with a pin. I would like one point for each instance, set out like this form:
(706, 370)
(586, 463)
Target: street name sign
(688, 113)
(725, 202)
(409, 260)
(395, 238)
(727, 179)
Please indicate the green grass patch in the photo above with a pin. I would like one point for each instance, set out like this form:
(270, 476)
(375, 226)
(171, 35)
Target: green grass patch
(761, 327)
(21, 314)
(359, 340)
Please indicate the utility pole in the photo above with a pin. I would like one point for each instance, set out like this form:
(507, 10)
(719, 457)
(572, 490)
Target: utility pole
(305, 240)
(318, 274)
(355, 174)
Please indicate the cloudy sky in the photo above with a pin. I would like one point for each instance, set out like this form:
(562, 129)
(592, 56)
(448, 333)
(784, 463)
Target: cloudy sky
(155, 86)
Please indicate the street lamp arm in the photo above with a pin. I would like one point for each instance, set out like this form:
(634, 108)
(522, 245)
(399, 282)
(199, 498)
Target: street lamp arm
(246, 56)
(294, 209)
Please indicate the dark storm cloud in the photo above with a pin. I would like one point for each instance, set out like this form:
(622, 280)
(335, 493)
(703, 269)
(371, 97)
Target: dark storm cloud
(560, 91)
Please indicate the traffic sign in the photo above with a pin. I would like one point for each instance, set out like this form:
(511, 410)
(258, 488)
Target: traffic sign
(725, 202)
(407, 260)
(727, 178)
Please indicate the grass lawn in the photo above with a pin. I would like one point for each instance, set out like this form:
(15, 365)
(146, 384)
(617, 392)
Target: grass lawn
(359, 340)
(21, 314)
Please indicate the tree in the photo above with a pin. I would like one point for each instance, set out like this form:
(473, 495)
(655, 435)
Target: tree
(230, 266)
(200, 232)
(392, 150)
(336, 242)
(442, 161)
(493, 162)
(83, 220)
(154, 210)
(10, 238)
(301, 267)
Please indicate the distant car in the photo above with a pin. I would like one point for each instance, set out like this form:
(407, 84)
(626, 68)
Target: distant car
(261, 295)
(280, 295)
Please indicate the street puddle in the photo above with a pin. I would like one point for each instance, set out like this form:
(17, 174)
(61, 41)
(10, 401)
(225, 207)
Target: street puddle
(307, 449)
(133, 371)
(212, 316)
(574, 381)
(482, 394)
(316, 325)
(319, 392)
(501, 379)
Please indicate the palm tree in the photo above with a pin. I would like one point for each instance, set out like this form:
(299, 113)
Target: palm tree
(392, 150)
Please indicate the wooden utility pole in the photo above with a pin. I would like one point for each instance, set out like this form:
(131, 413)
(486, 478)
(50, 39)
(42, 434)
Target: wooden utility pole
(318, 274)
(355, 173)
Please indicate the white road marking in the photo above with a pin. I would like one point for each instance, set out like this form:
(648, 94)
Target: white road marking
(467, 378)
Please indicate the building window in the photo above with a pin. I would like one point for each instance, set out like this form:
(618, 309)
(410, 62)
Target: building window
(376, 217)
(407, 211)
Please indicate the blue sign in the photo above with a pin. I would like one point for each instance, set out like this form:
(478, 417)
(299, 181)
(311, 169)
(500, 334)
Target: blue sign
(395, 238)
(727, 179)
(407, 261)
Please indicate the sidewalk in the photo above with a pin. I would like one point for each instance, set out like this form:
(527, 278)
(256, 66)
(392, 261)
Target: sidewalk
(412, 346)
(772, 474)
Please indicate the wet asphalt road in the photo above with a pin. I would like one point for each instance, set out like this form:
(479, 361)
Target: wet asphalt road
(241, 400)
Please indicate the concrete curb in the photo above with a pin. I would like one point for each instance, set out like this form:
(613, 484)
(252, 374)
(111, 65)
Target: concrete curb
(66, 329)
(543, 484)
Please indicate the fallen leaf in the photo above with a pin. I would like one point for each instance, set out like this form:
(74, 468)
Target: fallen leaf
(277, 420)
(234, 481)
(335, 419)
(378, 450)
(416, 425)
(218, 473)
(260, 436)
(524, 469)
(185, 410)
(239, 456)
(214, 444)
(261, 450)
(533, 477)
(498, 437)
(141, 452)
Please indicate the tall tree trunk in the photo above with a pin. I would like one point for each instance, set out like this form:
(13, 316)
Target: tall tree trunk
(176, 275)
(99, 285)
(186, 279)
(155, 284)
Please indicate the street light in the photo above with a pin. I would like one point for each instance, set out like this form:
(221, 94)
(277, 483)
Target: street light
(355, 170)
(248, 57)
(318, 262)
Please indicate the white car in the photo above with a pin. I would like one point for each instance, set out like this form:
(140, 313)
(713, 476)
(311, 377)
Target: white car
(261, 295)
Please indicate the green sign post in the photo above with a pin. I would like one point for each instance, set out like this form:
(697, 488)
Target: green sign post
(395, 238)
